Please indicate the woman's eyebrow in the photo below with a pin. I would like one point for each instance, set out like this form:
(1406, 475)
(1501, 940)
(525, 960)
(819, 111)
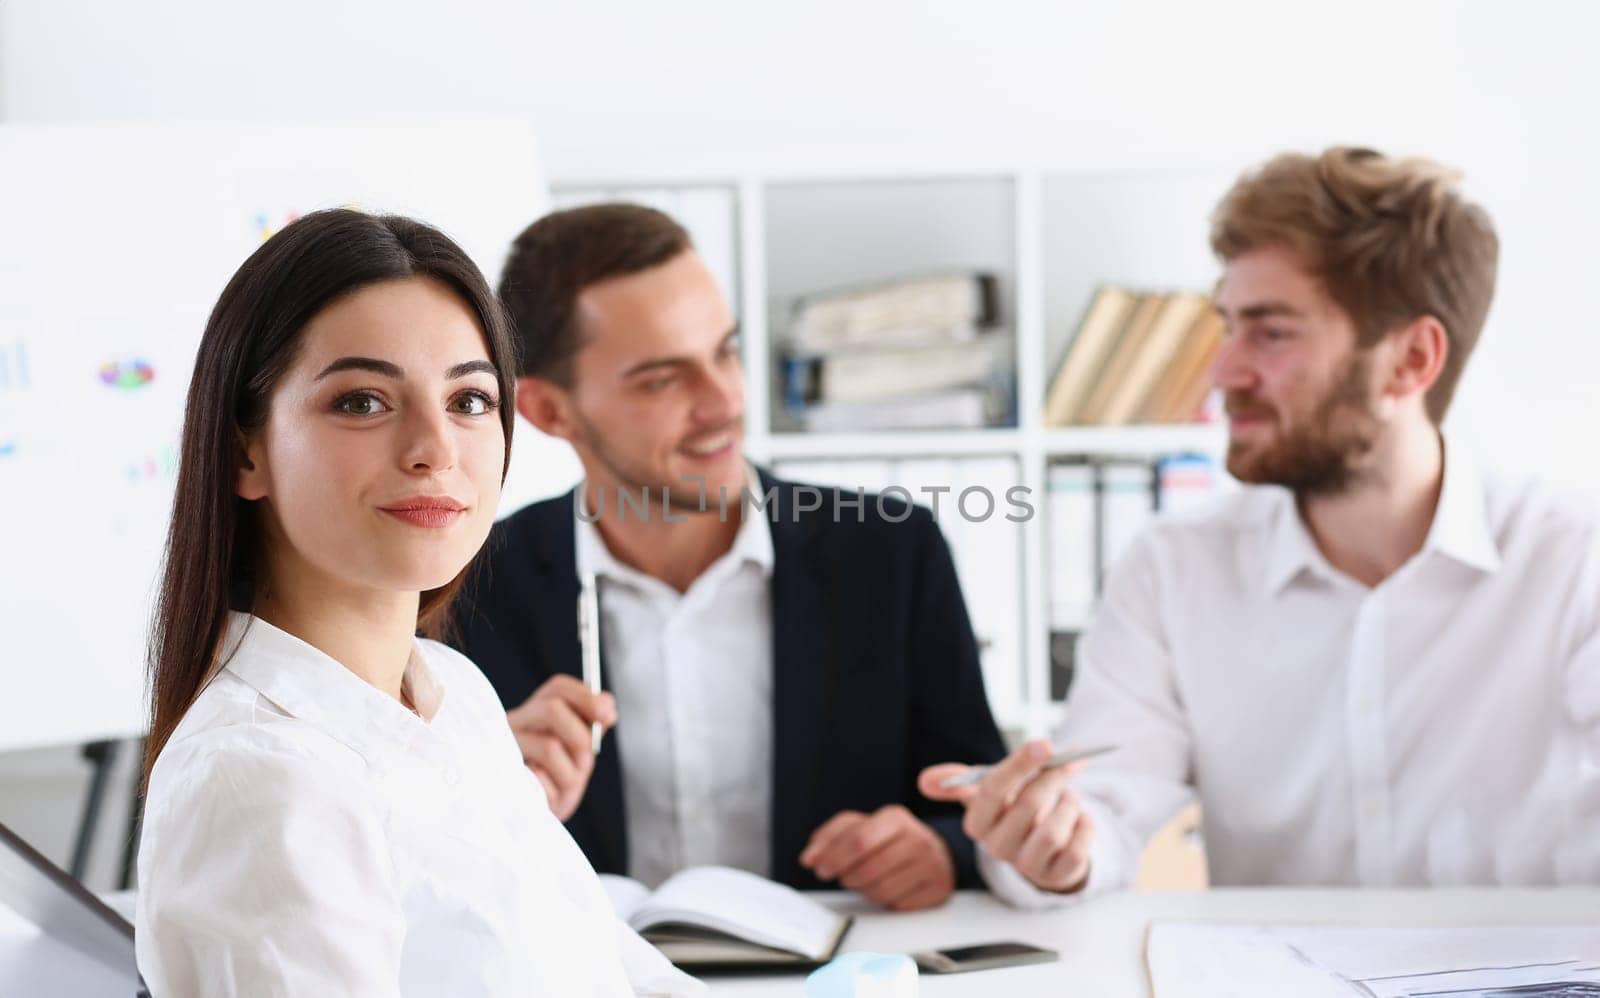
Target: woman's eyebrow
(372, 364)
(470, 367)
(390, 370)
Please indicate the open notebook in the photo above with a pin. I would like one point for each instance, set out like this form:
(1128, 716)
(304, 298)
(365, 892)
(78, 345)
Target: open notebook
(714, 917)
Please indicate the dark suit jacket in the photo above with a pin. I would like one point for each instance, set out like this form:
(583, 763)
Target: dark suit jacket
(875, 665)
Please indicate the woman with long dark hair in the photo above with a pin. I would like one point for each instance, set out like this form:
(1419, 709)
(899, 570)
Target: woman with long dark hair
(334, 805)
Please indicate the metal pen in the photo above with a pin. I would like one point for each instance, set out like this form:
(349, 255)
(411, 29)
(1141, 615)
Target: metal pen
(589, 644)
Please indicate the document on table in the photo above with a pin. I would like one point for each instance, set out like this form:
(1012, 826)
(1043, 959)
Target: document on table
(1198, 960)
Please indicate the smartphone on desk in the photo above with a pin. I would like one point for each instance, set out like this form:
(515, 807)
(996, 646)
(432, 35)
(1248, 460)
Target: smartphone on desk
(984, 956)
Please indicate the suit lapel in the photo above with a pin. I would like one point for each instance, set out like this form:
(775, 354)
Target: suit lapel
(801, 685)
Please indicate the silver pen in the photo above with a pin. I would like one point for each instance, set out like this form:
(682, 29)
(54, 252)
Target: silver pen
(589, 644)
(1061, 758)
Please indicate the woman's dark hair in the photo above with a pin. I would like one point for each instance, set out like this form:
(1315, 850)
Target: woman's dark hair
(213, 543)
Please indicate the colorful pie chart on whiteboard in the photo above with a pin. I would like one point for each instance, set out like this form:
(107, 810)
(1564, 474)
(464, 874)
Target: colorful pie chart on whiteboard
(126, 375)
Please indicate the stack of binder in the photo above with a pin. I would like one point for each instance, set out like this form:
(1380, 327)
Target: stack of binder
(920, 353)
(1094, 508)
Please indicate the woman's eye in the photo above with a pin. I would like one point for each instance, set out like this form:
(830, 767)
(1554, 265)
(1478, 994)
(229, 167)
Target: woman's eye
(472, 404)
(360, 404)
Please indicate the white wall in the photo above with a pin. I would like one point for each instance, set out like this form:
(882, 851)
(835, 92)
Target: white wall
(629, 85)
(631, 88)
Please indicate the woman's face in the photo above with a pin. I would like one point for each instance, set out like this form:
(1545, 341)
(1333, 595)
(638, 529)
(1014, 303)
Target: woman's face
(379, 464)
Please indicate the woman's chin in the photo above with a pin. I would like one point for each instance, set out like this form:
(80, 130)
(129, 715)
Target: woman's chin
(421, 567)
(423, 578)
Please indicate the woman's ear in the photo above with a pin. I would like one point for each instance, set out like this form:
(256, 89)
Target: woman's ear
(250, 477)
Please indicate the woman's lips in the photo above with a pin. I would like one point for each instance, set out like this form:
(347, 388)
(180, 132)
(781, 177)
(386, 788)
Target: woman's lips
(426, 512)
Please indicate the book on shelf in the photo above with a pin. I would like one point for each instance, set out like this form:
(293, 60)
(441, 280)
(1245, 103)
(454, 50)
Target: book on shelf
(1136, 358)
(1184, 481)
(1087, 354)
(1180, 399)
(1130, 341)
(922, 309)
(719, 918)
(924, 352)
(1177, 316)
(868, 375)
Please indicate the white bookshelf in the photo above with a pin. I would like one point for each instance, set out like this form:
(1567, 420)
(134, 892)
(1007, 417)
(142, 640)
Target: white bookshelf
(1051, 238)
(910, 443)
(1149, 441)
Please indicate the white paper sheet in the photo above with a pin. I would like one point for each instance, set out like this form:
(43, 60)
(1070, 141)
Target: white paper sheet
(1190, 960)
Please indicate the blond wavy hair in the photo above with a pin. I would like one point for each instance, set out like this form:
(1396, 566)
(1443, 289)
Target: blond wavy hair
(1391, 239)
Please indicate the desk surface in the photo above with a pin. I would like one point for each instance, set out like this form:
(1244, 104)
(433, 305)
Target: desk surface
(1102, 941)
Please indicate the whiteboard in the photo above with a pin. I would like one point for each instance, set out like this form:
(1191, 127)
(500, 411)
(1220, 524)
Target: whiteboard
(114, 244)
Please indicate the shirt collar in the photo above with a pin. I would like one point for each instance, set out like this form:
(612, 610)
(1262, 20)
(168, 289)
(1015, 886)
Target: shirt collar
(1291, 549)
(1460, 527)
(310, 685)
(751, 545)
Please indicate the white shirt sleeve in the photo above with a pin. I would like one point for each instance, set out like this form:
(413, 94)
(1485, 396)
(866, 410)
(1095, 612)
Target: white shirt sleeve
(1123, 694)
(260, 873)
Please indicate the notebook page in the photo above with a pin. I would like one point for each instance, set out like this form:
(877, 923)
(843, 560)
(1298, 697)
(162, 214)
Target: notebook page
(743, 905)
(625, 894)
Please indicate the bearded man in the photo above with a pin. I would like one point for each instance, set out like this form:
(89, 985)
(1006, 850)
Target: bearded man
(1375, 664)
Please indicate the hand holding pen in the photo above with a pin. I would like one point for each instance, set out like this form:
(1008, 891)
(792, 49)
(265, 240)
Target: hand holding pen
(560, 727)
(1023, 811)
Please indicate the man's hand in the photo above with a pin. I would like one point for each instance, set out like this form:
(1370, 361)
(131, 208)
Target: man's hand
(1024, 815)
(889, 856)
(552, 728)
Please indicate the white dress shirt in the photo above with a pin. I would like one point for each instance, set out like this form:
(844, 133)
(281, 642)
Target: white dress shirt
(692, 676)
(305, 834)
(1440, 728)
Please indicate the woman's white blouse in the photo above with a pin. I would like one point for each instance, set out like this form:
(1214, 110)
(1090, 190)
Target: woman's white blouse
(305, 834)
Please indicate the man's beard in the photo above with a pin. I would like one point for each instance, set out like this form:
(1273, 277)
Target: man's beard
(686, 496)
(1320, 453)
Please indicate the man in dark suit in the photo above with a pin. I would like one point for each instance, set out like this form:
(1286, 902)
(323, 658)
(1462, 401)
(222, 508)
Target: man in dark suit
(780, 661)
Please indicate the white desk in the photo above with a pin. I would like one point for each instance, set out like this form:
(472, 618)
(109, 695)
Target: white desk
(1102, 941)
